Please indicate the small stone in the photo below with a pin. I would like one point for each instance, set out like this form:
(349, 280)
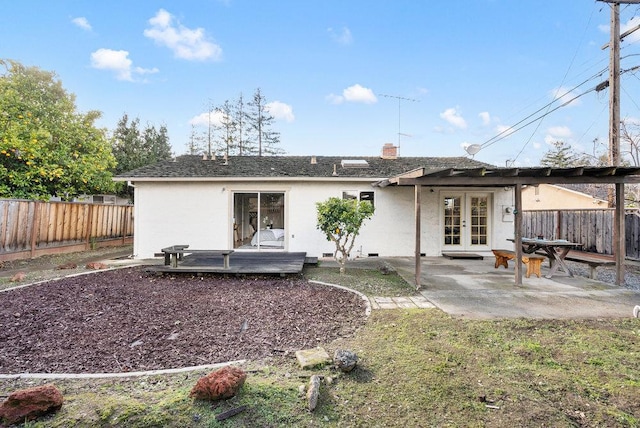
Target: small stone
(219, 384)
(302, 390)
(69, 265)
(19, 277)
(328, 380)
(313, 392)
(28, 404)
(345, 360)
(96, 265)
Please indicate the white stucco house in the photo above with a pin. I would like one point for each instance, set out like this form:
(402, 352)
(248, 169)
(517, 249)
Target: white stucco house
(250, 203)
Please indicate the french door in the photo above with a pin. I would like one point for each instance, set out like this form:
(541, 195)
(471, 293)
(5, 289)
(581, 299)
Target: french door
(466, 221)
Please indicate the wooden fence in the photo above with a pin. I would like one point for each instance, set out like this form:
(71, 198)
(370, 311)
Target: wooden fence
(30, 228)
(592, 228)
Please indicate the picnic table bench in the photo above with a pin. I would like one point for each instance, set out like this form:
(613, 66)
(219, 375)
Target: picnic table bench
(175, 254)
(532, 261)
(594, 260)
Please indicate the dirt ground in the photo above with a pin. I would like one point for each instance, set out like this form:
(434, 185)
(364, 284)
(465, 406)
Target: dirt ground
(129, 320)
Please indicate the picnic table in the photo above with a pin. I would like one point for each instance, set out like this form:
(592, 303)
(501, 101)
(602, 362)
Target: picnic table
(175, 254)
(555, 249)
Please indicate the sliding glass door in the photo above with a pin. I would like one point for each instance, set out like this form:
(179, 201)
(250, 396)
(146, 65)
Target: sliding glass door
(258, 220)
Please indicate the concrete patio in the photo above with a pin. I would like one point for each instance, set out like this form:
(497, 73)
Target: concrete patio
(475, 289)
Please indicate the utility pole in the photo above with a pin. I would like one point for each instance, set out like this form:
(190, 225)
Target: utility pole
(400, 99)
(614, 135)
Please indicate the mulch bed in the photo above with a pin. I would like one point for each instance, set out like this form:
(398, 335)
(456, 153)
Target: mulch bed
(128, 320)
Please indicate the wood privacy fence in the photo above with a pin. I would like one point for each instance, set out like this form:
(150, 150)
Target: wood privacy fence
(30, 228)
(592, 228)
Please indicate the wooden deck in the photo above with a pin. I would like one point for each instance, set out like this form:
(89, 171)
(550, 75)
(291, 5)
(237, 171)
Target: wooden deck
(240, 262)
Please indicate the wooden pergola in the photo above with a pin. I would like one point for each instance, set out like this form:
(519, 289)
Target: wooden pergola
(516, 178)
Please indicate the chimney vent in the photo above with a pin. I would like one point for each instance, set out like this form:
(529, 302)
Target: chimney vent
(389, 151)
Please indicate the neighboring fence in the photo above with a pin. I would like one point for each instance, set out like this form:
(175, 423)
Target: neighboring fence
(592, 228)
(30, 228)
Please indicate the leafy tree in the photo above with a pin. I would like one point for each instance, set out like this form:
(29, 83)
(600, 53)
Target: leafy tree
(341, 220)
(134, 147)
(47, 148)
(560, 156)
(263, 139)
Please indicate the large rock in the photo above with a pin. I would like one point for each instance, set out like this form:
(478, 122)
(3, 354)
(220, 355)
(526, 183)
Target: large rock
(30, 403)
(219, 384)
(345, 360)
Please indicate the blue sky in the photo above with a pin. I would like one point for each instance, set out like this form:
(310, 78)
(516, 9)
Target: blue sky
(467, 70)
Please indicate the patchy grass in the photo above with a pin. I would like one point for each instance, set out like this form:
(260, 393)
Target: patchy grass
(417, 368)
(371, 282)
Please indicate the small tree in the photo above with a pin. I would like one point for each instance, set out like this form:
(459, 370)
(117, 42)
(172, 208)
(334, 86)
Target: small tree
(341, 220)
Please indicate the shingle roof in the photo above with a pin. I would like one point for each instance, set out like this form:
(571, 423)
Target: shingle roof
(191, 166)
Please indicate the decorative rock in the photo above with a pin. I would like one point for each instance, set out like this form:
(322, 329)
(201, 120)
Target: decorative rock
(302, 390)
(313, 392)
(96, 265)
(345, 360)
(310, 358)
(30, 403)
(69, 265)
(219, 384)
(20, 276)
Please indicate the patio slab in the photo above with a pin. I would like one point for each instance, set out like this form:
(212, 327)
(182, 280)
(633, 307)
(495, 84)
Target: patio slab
(475, 289)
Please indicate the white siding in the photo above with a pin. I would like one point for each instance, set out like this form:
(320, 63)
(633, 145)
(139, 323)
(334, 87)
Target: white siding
(199, 214)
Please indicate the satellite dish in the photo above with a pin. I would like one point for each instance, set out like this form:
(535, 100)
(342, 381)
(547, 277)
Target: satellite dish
(472, 149)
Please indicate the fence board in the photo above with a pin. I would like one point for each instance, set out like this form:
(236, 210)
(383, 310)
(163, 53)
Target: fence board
(28, 227)
(592, 228)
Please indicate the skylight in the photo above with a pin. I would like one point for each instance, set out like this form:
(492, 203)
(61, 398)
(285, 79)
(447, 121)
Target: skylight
(354, 163)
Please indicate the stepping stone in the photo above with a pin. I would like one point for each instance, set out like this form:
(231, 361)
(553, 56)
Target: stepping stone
(422, 302)
(310, 358)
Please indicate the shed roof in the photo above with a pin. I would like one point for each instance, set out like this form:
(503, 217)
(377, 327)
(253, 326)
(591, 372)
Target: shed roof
(281, 167)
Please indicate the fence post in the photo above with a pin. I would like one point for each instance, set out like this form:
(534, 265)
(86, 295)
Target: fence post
(35, 227)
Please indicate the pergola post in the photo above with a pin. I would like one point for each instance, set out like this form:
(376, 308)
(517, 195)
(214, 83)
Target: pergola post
(418, 203)
(517, 233)
(619, 238)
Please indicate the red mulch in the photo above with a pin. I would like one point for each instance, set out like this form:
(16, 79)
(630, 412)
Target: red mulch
(129, 320)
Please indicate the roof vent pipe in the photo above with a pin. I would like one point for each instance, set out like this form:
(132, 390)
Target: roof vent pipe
(335, 173)
(313, 160)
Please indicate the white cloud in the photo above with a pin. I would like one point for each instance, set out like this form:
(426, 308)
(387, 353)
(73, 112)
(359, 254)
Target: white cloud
(504, 130)
(565, 96)
(559, 131)
(118, 62)
(280, 110)
(632, 23)
(82, 22)
(485, 117)
(216, 118)
(359, 94)
(342, 36)
(184, 42)
(353, 94)
(452, 116)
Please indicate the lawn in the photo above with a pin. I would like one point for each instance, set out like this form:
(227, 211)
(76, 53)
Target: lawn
(417, 368)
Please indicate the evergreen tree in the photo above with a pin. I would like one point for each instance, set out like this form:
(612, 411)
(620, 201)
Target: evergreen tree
(560, 156)
(264, 140)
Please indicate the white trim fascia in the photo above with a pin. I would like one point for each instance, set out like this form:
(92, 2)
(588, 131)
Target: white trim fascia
(248, 179)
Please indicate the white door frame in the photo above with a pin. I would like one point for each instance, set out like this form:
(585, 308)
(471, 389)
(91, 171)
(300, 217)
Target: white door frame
(458, 226)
